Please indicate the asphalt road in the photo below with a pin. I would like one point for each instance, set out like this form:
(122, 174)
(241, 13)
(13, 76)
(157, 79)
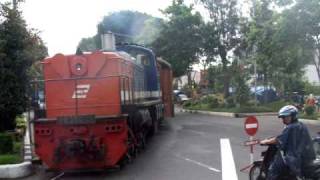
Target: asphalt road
(188, 147)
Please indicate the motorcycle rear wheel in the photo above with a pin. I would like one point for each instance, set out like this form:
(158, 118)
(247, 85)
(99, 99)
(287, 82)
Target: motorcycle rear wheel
(255, 172)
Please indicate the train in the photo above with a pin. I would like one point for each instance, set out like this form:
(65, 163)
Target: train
(100, 106)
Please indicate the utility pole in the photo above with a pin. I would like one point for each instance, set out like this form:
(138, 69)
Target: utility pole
(255, 77)
(14, 3)
(255, 60)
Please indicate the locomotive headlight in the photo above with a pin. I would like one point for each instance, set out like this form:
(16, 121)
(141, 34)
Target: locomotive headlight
(78, 66)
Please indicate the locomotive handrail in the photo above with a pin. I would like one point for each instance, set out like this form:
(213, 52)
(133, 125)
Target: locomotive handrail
(81, 78)
(99, 118)
(77, 78)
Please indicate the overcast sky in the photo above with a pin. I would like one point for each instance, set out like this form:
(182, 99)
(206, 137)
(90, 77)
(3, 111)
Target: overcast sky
(63, 23)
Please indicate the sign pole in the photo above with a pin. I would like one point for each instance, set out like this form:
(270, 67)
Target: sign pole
(251, 151)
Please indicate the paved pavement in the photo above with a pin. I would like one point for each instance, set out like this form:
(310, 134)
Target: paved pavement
(188, 147)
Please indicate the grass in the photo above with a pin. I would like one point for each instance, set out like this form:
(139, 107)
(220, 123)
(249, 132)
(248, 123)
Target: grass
(10, 158)
(276, 105)
(311, 117)
(14, 157)
(269, 107)
(244, 109)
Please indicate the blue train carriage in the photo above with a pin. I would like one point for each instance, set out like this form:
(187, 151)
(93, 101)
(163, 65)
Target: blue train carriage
(147, 109)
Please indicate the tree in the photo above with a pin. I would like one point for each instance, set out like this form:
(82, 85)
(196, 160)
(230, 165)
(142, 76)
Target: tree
(240, 77)
(179, 41)
(304, 17)
(19, 48)
(89, 44)
(149, 32)
(129, 27)
(223, 32)
(276, 46)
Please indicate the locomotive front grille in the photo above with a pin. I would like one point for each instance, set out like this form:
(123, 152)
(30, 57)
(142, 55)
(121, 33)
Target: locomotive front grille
(76, 120)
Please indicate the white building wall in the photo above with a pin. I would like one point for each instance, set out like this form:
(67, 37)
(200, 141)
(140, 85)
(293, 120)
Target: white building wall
(311, 75)
(195, 75)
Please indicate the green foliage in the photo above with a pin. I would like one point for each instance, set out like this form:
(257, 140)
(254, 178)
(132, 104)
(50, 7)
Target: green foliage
(19, 48)
(222, 35)
(214, 103)
(311, 89)
(242, 109)
(239, 78)
(285, 41)
(21, 121)
(6, 143)
(207, 99)
(277, 105)
(17, 147)
(311, 117)
(10, 158)
(150, 31)
(89, 44)
(129, 26)
(230, 102)
(215, 78)
(10, 151)
(309, 110)
(179, 41)
(204, 104)
(187, 103)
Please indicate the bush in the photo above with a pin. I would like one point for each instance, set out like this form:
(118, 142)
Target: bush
(187, 103)
(207, 99)
(277, 105)
(6, 144)
(10, 158)
(309, 110)
(251, 109)
(21, 122)
(17, 147)
(230, 103)
(214, 103)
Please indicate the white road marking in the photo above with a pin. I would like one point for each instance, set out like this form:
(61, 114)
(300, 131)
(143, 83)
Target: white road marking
(199, 164)
(250, 126)
(228, 167)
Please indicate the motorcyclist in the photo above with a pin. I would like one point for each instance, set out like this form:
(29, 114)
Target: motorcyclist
(294, 144)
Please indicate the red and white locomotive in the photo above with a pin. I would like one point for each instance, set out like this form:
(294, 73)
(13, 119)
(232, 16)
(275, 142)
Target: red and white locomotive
(100, 106)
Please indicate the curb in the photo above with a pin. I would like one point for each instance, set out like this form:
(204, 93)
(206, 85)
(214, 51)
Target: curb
(210, 113)
(256, 114)
(227, 114)
(16, 170)
(309, 121)
(240, 115)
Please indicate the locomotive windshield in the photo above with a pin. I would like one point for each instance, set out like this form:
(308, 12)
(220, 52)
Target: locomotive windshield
(140, 57)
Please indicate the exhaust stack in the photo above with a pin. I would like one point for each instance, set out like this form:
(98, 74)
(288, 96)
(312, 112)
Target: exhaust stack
(108, 42)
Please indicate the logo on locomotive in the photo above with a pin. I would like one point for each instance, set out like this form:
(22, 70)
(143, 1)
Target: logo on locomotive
(81, 91)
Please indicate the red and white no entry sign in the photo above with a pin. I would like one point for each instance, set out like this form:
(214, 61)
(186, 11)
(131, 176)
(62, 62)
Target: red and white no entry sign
(251, 125)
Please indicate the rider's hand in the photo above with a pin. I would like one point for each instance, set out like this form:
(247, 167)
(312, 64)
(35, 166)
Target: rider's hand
(268, 141)
(263, 142)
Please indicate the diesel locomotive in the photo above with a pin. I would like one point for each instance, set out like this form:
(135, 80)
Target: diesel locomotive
(100, 106)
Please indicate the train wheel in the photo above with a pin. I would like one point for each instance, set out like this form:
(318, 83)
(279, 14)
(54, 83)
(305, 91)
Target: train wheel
(156, 126)
(155, 122)
(124, 161)
(142, 140)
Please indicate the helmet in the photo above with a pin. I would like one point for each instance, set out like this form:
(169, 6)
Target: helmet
(288, 110)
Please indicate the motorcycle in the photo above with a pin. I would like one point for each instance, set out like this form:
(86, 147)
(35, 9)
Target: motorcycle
(259, 169)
